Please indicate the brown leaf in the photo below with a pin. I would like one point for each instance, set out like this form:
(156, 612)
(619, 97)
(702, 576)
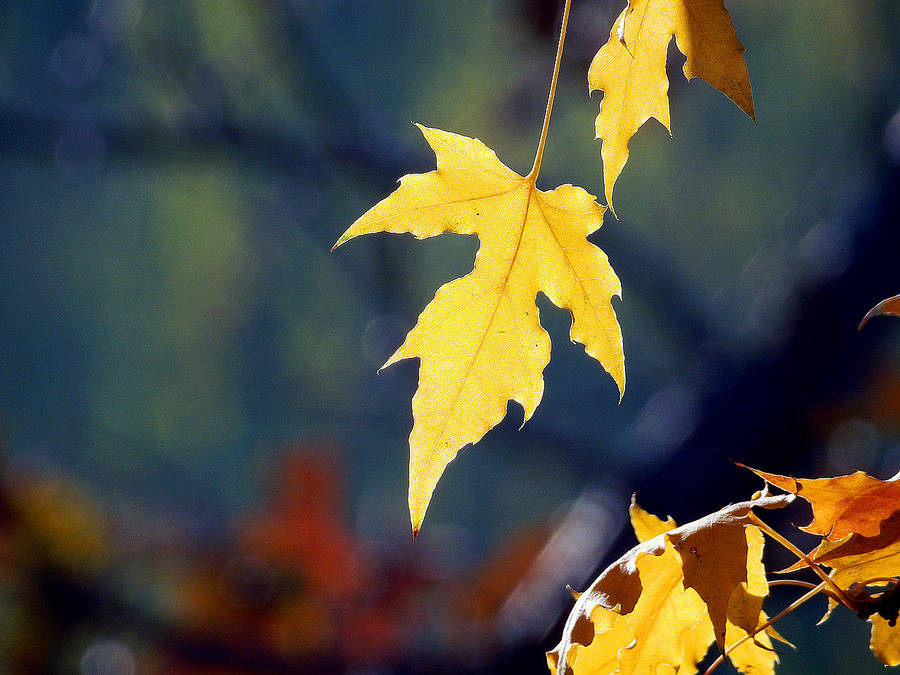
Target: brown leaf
(713, 551)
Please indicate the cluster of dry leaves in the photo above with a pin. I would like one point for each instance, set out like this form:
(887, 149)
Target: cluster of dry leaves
(662, 604)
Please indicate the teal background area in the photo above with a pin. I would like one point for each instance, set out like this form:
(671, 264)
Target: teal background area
(174, 174)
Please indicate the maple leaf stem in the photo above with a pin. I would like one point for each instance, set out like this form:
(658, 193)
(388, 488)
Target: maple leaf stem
(838, 592)
(791, 582)
(787, 610)
(539, 155)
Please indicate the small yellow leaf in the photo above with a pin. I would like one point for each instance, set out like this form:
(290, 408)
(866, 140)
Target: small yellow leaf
(714, 552)
(646, 525)
(630, 69)
(857, 559)
(611, 633)
(641, 615)
(663, 620)
(754, 657)
(479, 341)
(885, 641)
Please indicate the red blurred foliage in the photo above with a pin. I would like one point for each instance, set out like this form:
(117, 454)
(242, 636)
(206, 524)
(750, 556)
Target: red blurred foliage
(303, 527)
(290, 589)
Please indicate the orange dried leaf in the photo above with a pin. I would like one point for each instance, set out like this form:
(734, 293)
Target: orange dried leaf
(479, 342)
(859, 518)
(889, 306)
(630, 68)
(843, 505)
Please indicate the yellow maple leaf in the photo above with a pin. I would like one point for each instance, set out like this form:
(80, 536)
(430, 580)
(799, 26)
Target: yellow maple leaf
(641, 615)
(479, 341)
(874, 562)
(630, 69)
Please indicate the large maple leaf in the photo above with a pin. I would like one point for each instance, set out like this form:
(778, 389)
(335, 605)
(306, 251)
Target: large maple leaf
(659, 607)
(630, 69)
(479, 341)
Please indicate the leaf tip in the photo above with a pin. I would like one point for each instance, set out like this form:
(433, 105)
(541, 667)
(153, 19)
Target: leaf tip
(417, 513)
(886, 306)
(619, 378)
(343, 238)
(609, 205)
(872, 312)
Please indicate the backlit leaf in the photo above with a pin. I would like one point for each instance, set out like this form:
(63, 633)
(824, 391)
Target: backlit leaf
(630, 69)
(885, 642)
(642, 615)
(859, 560)
(843, 505)
(479, 341)
(646, 525)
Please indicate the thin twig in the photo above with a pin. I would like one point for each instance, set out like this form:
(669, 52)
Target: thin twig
(787, 610)
(791, 582)
(838, 592)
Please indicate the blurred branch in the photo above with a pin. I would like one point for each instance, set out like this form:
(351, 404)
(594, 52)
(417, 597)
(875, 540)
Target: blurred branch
(31, 133)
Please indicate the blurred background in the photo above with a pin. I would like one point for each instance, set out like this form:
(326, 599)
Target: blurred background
(202, 470)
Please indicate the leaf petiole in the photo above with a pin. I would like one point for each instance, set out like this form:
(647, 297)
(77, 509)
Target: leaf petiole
(791, 582)
(539, 155)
